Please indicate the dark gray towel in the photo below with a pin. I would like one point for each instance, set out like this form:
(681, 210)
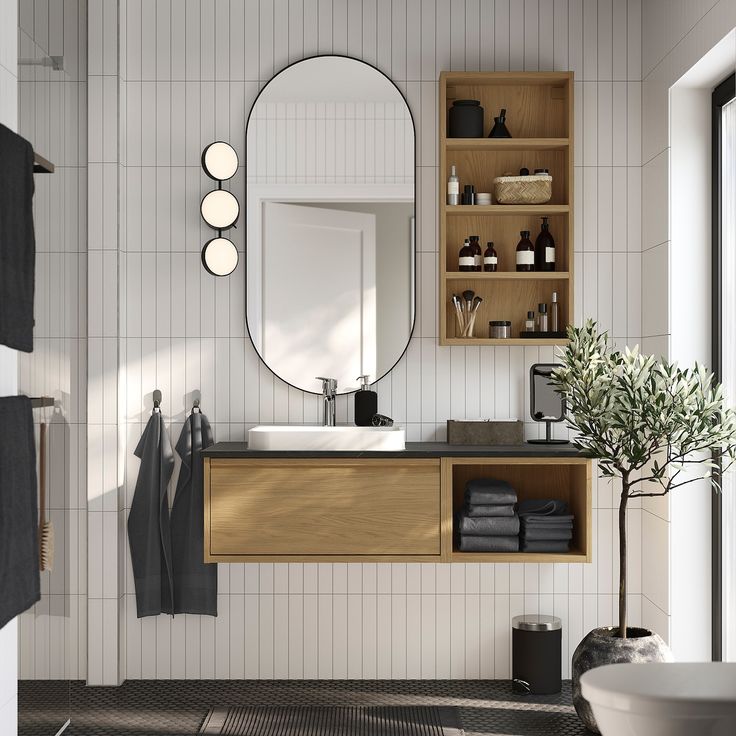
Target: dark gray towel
(195, 582)
(481, 510)
(149, 532)
(548, 545)
(547, 521)
(489, 491)
(469, 543)
(19, 576)
(17, 241)
(556, 533)
(498, 526)
(541, 507)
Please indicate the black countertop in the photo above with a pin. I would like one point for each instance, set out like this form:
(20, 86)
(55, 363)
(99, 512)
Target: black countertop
(413, 450)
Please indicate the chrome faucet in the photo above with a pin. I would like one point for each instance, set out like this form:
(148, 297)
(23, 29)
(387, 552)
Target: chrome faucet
(329, 392)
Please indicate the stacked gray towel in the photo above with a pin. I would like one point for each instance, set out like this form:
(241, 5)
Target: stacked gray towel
(488, 523)
(546, 525)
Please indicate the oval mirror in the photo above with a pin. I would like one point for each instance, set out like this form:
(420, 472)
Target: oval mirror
(330, 254)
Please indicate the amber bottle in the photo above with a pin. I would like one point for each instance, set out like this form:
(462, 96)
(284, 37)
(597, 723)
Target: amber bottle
(525, 253)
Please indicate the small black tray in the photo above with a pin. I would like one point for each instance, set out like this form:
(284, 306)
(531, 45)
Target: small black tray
(543, 335)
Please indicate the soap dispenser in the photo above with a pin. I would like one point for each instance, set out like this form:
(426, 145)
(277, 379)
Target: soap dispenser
(366, 403)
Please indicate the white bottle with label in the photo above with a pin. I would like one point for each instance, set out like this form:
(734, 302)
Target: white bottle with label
(453, 188)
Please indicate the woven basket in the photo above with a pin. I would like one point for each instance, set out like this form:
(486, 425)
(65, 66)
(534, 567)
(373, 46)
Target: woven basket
(534, 189)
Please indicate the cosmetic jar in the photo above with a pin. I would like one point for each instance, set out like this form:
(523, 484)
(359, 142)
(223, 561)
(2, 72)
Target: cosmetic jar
(483, 198)
(465, 119)
(499, 328)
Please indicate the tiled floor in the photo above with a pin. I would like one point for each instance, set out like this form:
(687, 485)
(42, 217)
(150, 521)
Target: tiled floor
(177, 708)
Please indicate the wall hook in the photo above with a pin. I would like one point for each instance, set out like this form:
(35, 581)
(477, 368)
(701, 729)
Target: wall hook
(157, 400)
(195, 406)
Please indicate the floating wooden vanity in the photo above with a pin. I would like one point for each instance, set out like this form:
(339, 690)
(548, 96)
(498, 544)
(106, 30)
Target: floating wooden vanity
(263, 506)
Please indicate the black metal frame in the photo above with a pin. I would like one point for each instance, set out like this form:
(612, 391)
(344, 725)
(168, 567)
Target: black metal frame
(545, 370)
(722, 94)
(416, 247)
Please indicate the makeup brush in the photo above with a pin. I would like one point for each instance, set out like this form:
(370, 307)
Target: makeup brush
(459, 314)
(477, 301)
(468, 296)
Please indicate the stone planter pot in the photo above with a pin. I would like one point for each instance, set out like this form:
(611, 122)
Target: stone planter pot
(603, 646)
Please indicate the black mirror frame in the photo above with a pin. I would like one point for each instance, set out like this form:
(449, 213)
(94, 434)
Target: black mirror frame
(415, 254)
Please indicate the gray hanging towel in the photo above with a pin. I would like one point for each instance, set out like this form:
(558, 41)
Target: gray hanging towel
(149, 532)
(19, 570)
(17, 241)
(195, 582)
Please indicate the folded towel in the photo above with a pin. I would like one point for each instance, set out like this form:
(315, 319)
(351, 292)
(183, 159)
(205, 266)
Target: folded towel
(541, 507)
(488, 510)
(489, 491)
(547, 521)
(17, 242)
(540, 534)
(470, 543)
(547, 545)
(497, 526)
(19, 577)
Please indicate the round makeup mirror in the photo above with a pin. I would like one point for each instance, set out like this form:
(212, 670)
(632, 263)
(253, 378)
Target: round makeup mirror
(330, 250)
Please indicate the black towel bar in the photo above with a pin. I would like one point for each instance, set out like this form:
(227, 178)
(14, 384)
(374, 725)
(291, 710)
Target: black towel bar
(42, 165)
(37, 402)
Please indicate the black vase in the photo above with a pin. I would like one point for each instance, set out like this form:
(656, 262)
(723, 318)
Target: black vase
(465, 119)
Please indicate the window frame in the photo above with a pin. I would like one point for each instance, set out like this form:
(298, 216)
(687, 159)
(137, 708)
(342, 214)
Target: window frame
(722, 95)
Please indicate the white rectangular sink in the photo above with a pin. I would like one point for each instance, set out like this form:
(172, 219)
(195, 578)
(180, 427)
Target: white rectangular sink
(310, 437)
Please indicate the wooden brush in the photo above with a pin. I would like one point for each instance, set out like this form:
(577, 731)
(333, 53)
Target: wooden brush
(45, 528)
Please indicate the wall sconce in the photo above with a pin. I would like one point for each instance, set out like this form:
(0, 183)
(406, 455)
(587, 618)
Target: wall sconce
(220, 209)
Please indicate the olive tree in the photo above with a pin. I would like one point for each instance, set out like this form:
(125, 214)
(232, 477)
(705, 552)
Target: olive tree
(648, 422)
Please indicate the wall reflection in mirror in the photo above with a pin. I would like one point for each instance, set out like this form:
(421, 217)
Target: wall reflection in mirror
(330, 226)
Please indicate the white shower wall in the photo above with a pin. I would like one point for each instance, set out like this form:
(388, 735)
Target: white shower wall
(52, 113)
(186, 74)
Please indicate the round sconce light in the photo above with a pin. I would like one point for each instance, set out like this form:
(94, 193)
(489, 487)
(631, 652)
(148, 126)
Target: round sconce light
(220, 256)
(220, 209)
(219, 161)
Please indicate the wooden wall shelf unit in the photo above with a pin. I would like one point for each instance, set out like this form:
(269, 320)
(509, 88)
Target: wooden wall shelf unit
(358, 509)
(540, 118)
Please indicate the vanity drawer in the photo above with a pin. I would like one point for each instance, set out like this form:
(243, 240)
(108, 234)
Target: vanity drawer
(310, 509)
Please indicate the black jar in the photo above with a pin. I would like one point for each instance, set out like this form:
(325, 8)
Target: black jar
(466, 119)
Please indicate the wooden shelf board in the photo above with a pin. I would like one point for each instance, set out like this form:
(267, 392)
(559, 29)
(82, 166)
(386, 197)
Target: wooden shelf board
(505, 144)
(507, 275)
(496, 79)
(474, 210)
(498, 341)
(572, 556)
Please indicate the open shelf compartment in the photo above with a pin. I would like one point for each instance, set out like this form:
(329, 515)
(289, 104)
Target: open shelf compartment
(540, 118)
(565, 478)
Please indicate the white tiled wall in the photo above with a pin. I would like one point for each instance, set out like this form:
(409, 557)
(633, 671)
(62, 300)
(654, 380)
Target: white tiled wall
(188, 73)
(678, 33)
(52, 115)
(331, 143)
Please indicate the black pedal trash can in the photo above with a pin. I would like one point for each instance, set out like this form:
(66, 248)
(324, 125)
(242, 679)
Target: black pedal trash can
(536, 654)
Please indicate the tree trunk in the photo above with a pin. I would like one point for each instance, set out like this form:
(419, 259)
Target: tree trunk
(622, 556)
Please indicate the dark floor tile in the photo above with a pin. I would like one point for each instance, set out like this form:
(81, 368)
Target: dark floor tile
(178, 707)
